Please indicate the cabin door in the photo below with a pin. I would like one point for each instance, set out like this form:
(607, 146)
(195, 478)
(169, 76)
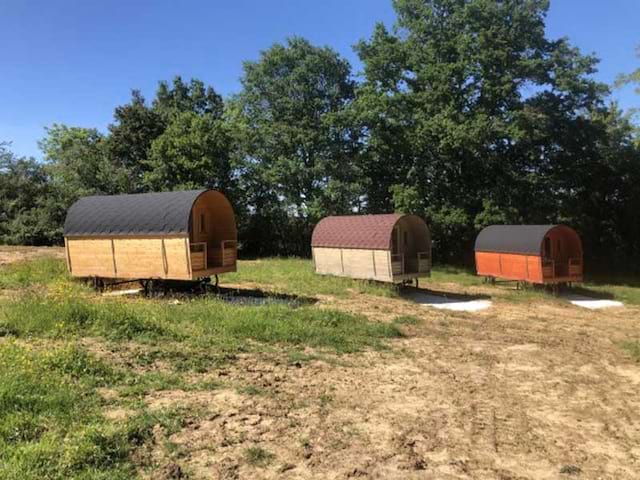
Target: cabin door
(557, 250)
(560, 256)
(395, 241)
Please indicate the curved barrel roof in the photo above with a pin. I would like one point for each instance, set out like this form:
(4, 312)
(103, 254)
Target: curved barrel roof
(525, 239)
(160, 213)
(371, 232)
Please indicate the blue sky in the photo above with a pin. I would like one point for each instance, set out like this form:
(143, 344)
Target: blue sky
(73, 61)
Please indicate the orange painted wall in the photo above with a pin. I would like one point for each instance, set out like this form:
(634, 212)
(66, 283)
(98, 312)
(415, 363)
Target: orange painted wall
(509, 266)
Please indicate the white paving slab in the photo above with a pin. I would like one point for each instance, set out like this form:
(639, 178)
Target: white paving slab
(122, 293)
(593, 303)
(445, 303)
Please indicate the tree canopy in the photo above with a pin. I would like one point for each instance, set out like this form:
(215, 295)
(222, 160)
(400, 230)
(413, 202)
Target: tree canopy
(465, 112)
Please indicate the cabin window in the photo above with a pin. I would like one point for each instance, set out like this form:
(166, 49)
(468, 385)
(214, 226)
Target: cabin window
(559, 247)
(547, 247)
(203, 227)
(394, 241)
(406, 238)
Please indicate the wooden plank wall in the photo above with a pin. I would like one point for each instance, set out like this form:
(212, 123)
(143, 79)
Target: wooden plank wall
(509, 266)
(353, 263)
(129, 257)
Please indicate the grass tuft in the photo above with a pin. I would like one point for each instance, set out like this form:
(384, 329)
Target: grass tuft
(258, 456)
(632, 347)
(406, 320)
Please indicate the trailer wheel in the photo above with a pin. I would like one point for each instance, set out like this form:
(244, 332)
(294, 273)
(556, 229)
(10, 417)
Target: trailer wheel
(98, 283)
(145, 284)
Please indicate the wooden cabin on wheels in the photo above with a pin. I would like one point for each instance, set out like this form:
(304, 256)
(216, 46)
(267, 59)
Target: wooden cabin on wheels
(389, 248)
(540, 254)
(182, 235)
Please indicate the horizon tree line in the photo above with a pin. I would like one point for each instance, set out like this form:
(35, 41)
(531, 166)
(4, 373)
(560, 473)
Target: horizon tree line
(466, 114)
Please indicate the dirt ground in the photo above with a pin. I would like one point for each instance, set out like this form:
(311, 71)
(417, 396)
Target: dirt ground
(533, 391)
(15, 254)
(523, 390)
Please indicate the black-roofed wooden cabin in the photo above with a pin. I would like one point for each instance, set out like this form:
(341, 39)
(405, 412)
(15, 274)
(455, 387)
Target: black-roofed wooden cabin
(183, 235)
(542, 254)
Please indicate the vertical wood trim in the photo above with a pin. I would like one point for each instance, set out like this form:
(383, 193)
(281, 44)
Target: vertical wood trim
(373, 259)
(66, 251)
(389, 264)
(341, 261)
(165, 264)
(113, 258)
(313, 259)
(526, 259)
(187, 251)
(500, 263)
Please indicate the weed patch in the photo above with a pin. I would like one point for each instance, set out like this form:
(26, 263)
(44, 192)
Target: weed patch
(258, 456)
(632, 347)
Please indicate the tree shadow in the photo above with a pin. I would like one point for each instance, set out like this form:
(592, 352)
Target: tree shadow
(613, 280)
(589, 293)
(255, 296)
(444, 295)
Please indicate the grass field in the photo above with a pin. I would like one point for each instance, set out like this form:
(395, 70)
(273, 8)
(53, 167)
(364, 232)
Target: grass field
(360, 382)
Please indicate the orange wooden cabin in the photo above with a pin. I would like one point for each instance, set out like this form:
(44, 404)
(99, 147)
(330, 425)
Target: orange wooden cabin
(543, 254)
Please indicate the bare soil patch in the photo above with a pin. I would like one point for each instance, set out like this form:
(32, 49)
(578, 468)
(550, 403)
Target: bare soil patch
(11, 254)
(532, 390)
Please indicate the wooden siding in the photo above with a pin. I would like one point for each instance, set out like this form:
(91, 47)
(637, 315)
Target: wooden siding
(353, 263)
(360, 263)
(129, 257)
(509, 266)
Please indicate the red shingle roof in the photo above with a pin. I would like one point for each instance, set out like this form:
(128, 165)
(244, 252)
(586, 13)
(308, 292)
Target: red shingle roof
(355, 231)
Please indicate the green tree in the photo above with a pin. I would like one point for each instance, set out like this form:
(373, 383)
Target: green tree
(28, 215)
(296, 144)
(467, 101)
(192, 97)
(130, 137)
(78, 163)
(192, 152)
(194, 149)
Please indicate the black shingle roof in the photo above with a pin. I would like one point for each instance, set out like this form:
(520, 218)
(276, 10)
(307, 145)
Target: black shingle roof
(525, 239)
(137, 214)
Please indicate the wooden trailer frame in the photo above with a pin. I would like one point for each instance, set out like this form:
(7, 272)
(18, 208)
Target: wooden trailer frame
(182, 235)
(391, 248)
(538, 254)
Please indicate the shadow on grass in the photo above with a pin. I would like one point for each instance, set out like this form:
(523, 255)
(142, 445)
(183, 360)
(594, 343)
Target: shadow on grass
(183, 290)
(256, 296)
(460, 297)
(590, 293)
(613, 280)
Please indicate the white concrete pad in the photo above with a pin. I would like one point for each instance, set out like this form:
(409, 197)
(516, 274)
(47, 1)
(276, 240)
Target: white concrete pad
(593, 303)
(121, 293)
(444, 303)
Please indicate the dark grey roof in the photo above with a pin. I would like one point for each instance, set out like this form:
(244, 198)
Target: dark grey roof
(137, 214)
(525, 239)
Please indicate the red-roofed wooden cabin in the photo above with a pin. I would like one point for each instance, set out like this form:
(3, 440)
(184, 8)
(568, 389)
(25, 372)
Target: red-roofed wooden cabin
(389, 248)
